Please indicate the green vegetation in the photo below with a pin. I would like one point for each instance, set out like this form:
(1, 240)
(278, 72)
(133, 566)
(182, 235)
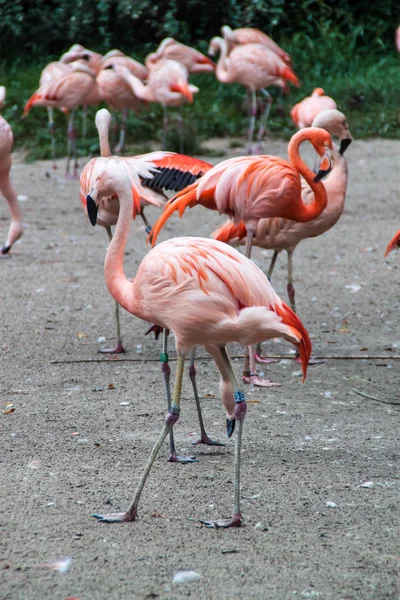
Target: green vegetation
(354, 61)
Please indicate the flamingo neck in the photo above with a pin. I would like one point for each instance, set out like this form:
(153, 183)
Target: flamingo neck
(221, 69)
(306, 212)
(122, 290)
(105, 149)
(142, 91)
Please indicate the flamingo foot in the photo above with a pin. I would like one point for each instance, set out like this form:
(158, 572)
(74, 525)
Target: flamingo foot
(183, 460)
(258, 382)
(119, 349)
(4, 252)
(116, 517)
(54, 167)
(204, 439)
(312, 361)
(235, 521)
(264, 359)
(71, 176)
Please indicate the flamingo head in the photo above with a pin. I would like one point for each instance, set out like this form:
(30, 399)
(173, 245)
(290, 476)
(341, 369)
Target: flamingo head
(215, 46)
(322, 142)
(336, 123)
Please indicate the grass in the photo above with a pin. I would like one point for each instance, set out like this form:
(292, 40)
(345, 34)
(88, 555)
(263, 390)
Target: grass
(364, 84)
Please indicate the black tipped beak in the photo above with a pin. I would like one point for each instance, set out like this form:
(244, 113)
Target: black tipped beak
(344, 144)
(92, 209)
(321, 174)
(230, 427)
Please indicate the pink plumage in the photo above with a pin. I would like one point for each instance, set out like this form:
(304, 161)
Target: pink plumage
(304, 113)
(192, 59)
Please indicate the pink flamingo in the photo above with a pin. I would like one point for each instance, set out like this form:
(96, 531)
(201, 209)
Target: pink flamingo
(284, 234)
(248, 35)
(207, 294)
(303, 113)
(192, 59)
(115, 91)
(74, 57)
(167, 85)
(397, 38)
(249, 188)
(75, 88)
(165, 171)
(6, 187)
(256, 67)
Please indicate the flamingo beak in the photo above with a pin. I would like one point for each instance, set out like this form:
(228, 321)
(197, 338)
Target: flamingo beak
(325, 167)
(92, 208)
(344, 144)
(184, 90)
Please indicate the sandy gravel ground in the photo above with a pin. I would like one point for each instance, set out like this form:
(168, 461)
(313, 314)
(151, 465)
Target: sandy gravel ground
(320, 483)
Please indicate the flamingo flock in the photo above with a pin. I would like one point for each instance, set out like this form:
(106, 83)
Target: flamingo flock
(202, 290)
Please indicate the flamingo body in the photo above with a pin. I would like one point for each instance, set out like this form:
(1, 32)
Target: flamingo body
(249, 35)
(192, 59)
(304, 113)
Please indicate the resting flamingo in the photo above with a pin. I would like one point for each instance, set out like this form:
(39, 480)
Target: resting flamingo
(249, 188)
(169, 171)
(207, 294)
(116, 92)
(249, 35)
(192, 59)
(255, 67)
(6, 187)
(303, 113)
(284, 234)
(75, 88)
(167, 85)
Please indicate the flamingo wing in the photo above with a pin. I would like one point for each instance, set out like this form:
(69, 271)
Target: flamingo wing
(175, 171)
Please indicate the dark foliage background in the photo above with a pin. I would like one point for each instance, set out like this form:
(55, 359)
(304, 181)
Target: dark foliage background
(45, 28)
(345, 46)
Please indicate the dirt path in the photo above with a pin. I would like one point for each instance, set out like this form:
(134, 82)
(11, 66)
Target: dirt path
(81, 431)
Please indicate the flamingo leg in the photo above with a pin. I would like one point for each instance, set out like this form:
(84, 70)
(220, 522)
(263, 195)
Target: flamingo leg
(122, 132)
(118, 349)
(249, 367)
(165, 128)
(181, 130)
(145, 221)
(84, 122)
(166, 371)
(257, 355)
(265, 115)
(252, 121)
(15, 230)
(290, 287)
(204, 438)
(225, 367)
(71, 145)
(52, 136)
(170, 420)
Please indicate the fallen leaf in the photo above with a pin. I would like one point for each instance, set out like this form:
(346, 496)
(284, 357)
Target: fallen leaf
(111, 386)
(157, 515)
(82, 335)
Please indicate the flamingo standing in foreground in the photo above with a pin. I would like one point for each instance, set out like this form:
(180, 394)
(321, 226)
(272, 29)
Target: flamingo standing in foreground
(116, 92)
(192, 59)
(249, 35)
(167, 171)
(303, 113)
(167, 85)
(249, 188)
(6, 187)
(284, 234)
(75, 88)
(256, 67)
(207, 294)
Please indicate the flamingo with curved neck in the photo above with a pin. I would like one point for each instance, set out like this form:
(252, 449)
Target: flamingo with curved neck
(256, 67)
(205, 292)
